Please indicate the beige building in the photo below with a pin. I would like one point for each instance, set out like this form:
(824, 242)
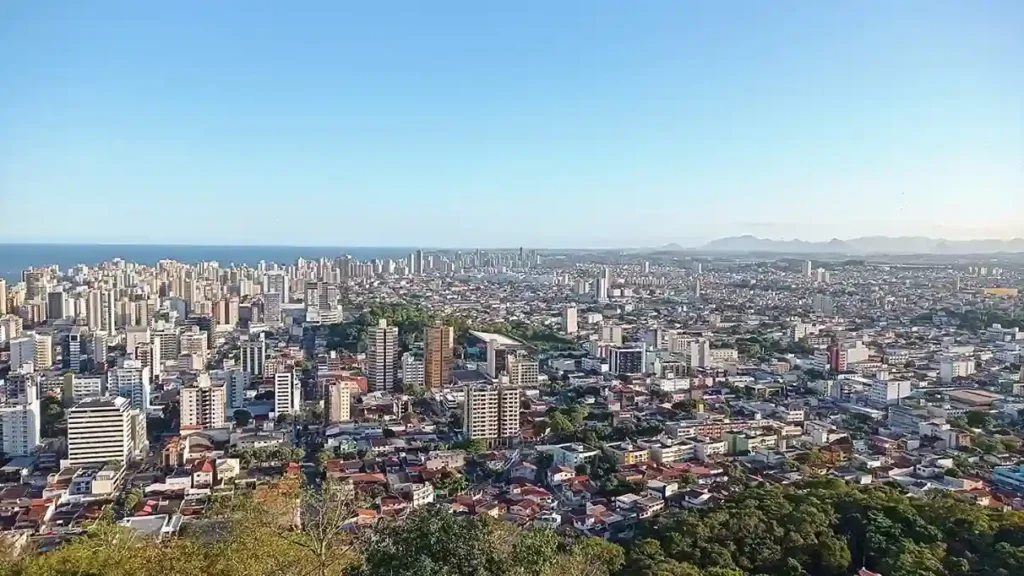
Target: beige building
(438, 341)
(44, 352)
(337, 401)
(203, 404)
(492, 413)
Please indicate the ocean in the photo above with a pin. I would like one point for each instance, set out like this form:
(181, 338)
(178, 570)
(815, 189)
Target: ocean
(17, 257)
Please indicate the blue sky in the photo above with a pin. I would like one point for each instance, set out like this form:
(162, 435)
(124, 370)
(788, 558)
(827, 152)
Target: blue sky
(537, 123)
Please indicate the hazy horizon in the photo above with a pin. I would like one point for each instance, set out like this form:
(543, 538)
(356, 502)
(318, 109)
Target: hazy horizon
(567, 125)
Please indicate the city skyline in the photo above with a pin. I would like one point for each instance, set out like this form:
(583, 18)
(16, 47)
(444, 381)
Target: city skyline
(575, 125)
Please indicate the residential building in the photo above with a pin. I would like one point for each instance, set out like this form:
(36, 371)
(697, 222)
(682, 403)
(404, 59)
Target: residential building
(131, 381)
(572, 455)
(412, 370)
(253, 355)
(438, 344)
(23, 351)
(43, 357)
(886, 392)
(627, 360)
(337, 401)
(382, 356)
(492, 413)
(570, 324)
(20, 423)
(74, 351)
(238, 381)
(203, 404)
(523, 371)
(78, 388)
(626, 453)
(287, 393)
(951, 367)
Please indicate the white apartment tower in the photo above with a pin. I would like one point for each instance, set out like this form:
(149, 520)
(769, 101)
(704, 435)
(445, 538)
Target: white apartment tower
(20, 422)
(569, 321)
(287, 393)
(382, 357)
(131, 381)
(338, 401)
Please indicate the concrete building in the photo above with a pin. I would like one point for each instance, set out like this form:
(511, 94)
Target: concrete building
(631, 361)
(203, 404)
(20, 422)
(73, 350)
(195, 344)
(438, 350)
(11, 326)
(570, 324)
(382, 356)
(492, 413)
(253, 355)
(237, 382)
(522, 370)
(337, 401)
(23, 351)
(78, 388)
(135, 335)
(886, 392)
(412, 370)
(94, 310)
(272, 308)
(101, 430)
(287, 393)
(3, 297)
(955, 367)
(43, 357)
(131, 381)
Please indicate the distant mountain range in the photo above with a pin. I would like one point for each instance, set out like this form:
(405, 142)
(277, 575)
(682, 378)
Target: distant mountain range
(865, 245)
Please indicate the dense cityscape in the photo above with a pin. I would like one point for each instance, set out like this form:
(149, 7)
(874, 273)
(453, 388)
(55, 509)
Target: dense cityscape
(612, 399)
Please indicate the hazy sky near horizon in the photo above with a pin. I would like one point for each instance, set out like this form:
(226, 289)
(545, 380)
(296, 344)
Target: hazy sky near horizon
(574, 123)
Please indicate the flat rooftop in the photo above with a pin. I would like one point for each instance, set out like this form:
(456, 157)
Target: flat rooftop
(500, 338)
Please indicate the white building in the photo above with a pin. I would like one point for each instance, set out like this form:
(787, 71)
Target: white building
(101, 430)
(824, 305)
(886, 392)
(78, 388)
(238, 381)
(287, 393)
(569, 323)
(131, 381)
(338, 401)
(491, 413)
(23, 351)
(20, 422)
(412, 370)
(382, 356)
(955, 367)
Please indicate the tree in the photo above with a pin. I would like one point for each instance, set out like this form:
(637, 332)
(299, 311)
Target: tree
(242, 417)
(452, 484)
(978, 419)
(51, 414)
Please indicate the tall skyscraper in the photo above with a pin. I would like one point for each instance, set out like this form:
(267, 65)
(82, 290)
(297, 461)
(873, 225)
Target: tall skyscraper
(74, 350)
(382, 356)
(272, 308)
(23, 351)
(238, 381)
(56, 305)
(438, 342)
(808, 268)
(277, 281)
(601, 285)
(43, 351)
(94, 310)
(3, 297)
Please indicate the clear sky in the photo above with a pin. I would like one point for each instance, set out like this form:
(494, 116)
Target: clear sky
(540, 123)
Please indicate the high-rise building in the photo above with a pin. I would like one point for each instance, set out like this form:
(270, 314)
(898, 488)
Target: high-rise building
(73, 350)
(203, 404)
(287, 393)
(23, 351)
(194, 343)
(253, 355)
(808, 268)
(277, 281)
(630, 361)
(412, 370)
(20, 423)
(101, 430)
(497, 359)
(238, 381)
(492, 413)
(56, 305)
(149, 354)
(438, 344)
(569, 320)
(11, 326)
(108, 310)
(94, 310)
(337, 401)
(382, 356)
(272, 308)
(43, 352)
(3, 297)
(522, 370)
(131, 381)
(78, 388)
(99, 347)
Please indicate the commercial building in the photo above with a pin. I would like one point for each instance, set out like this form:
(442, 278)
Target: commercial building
(73, 350)
(631, 361)
(439, 341)
(203, 404)
(412, 370)
(382, 356)
(253, 355)
(955, 367)
(101, 430)
(492, 413)
(886, 392)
